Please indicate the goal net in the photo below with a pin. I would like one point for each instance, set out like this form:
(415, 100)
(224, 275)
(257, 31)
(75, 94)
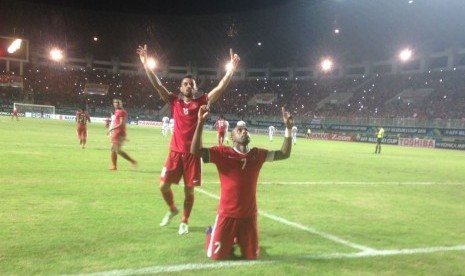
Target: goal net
(36, 110)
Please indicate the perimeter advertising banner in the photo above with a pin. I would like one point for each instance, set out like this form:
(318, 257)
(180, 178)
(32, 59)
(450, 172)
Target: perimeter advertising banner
(417, 143)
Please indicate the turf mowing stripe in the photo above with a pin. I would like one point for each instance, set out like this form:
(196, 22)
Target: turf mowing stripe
(300, 226)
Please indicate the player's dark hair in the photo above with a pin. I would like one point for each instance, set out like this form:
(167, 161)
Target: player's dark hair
(189, 76)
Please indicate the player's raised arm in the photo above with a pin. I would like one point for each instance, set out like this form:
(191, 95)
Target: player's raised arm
(153, 78)
(216, 92)
(285, 151)
(196, 146)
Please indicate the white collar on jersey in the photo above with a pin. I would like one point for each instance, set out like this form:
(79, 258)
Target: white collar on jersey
(243, 153)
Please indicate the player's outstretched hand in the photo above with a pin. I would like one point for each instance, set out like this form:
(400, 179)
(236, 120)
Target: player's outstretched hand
(234, 59)
(203, 113)
(142, 52)
(288, 119)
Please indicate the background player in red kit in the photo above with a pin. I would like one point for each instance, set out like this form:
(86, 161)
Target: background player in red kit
(238, 168)
(221, 127)
(82, 118)
(15, 114)
(118, 136)
(180, 162)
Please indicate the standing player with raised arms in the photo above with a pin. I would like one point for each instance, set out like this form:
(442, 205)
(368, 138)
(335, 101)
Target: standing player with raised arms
(180, 162)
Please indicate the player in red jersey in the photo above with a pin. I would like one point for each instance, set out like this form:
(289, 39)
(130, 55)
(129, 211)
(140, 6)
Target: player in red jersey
(118, 136)
(82, 118)
(238, 167)
(180, 162)
(15, 114)
(221, 127)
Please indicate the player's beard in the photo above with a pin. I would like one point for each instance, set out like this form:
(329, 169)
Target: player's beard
(244, 140)
(187, 95)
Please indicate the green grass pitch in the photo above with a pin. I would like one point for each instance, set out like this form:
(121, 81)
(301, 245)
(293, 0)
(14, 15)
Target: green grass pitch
(333, 208)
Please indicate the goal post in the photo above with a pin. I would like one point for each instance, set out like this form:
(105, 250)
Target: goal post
(36, 110)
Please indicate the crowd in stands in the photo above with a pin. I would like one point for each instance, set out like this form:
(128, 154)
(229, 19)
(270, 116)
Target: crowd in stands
(378, 96)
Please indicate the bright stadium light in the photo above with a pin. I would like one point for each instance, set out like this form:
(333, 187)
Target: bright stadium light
(151, 63)
(228, 66)
(336, 31)
(56, 54)
(16, 45)
(326, 64)
(405, 54)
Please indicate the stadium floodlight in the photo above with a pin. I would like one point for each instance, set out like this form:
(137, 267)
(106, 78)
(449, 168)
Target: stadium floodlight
(14, 49)
(336, 31)
(228, 66)
(56, 54)
(405, 54)
(327, 65)
(16, 45)
(151, 63)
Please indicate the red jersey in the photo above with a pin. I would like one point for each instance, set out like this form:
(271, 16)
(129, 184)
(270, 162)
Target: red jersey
(185, 115)
(220, 125)
(119, 115)
(238, 176)
(82, 118)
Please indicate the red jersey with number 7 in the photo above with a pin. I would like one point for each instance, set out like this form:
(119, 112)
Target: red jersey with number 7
(238, 176)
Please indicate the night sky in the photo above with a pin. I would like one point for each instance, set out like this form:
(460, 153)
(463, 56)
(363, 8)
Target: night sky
(263, 32)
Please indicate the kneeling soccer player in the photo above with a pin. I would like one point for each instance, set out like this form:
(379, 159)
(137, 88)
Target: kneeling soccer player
(238, 167)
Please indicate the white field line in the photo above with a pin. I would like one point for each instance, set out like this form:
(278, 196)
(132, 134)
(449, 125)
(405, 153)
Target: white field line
(214, 265)
(395, 183)
(389, 252)
(300, 226)
(171, 268)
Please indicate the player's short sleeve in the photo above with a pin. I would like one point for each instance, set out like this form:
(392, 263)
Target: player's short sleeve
(214, 155)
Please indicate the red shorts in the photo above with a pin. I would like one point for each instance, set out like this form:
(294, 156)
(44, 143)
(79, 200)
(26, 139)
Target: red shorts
(225, 230)
(81, 131)
(221, 134)
(117, 138)
(182, 164)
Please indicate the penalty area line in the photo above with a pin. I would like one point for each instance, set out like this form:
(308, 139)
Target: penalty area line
(301, 227)
(199, 266)
(394, 183)
(388, 252)
(171, 268)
